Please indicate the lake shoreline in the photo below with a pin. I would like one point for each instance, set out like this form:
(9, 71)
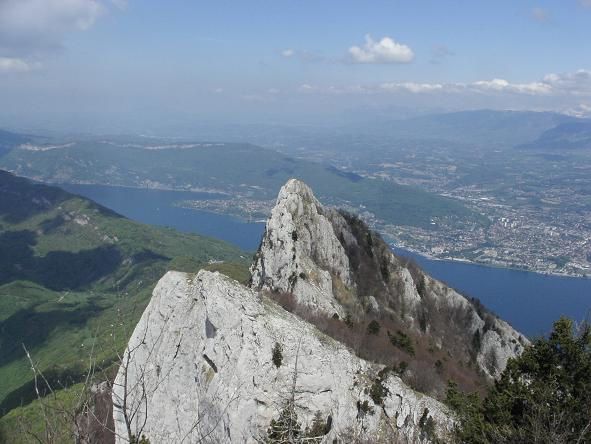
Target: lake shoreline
(212, 194)
(529, 301)
(487, 265)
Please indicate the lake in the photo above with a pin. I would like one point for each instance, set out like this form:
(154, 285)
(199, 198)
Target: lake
(156, 207)
(529, 301)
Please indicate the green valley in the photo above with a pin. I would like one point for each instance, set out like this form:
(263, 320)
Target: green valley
(74, 279)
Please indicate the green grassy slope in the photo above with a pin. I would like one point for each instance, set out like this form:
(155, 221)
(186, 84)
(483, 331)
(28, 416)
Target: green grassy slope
(75, 276)
(239, 169)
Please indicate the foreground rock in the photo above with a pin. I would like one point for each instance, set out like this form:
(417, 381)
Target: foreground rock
(199, 367)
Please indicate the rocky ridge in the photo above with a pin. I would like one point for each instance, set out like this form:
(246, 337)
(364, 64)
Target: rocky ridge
(200, 365)
(331, 262)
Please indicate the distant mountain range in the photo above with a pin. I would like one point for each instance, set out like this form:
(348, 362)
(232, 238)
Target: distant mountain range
(483, 127)
(566, 136)
(236, 170)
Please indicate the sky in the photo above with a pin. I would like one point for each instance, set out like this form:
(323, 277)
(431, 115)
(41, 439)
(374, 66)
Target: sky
(113, 64)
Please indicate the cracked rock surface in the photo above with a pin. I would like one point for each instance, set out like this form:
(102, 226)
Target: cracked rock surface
(326, 258)
(300, 252)
(201, 365)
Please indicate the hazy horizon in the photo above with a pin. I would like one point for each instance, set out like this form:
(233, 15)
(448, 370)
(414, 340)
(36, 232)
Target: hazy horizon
(112, 65)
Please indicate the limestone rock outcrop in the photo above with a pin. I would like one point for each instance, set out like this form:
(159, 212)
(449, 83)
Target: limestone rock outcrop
(199, 368)
(200, 365)
(300, 252)
(333, 263)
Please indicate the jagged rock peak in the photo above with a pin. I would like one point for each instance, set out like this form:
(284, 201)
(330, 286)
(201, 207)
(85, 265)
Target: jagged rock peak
(300, 252)
(299, 190)
(331, 262)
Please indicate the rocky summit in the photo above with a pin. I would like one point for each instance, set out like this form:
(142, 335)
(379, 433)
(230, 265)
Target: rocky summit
(330, 261)
(214, 361)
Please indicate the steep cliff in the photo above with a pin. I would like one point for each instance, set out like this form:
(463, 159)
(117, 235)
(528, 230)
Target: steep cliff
(214, 361)
(300, 252)
(333, 263)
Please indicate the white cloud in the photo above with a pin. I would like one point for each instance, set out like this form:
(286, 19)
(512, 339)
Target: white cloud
(580, 110)
(576, 83)
(573, 84)
(494, 86)
(412, 87)
(15, 65)
(306, 87)
(385, 50)
(30, 28)
(501, 85)
(303, 56)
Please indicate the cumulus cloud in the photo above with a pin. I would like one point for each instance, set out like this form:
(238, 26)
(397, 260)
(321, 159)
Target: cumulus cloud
(15, 65)
(31, 28)
(385, 50)
(573, 84)
(288, 52)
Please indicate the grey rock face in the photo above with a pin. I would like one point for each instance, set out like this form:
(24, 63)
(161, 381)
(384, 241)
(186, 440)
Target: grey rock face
(300, 252)
(199, 365)
(200, 368)
(332, 263)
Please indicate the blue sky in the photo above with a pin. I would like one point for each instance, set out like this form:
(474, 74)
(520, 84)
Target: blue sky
(254, 60)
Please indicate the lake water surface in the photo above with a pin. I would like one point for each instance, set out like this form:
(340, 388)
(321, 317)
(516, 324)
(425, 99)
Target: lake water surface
(529, 301)
(157, 207)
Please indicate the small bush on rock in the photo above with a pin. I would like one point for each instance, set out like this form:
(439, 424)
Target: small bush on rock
(277, 355)
(373, 328)
(402, 341)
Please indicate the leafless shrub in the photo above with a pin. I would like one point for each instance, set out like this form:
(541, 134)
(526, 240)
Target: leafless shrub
(419, 370)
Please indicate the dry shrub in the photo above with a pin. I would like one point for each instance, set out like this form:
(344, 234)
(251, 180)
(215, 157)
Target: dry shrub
(420, 370)
(377, 273)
